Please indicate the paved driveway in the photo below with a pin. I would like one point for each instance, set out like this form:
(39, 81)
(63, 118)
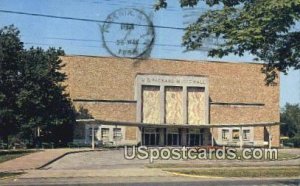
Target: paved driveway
(107, 159)
(114, 159)
(35, 160)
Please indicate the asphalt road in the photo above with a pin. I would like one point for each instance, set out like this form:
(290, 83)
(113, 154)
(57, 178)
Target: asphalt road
(149, 182)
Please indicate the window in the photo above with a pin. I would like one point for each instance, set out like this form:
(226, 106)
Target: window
(246, 134)
(117, 134)
(235, 134)
(225, 134)
(173, 137)
(150, 136)
(91, 132)
(105, 134)
(195, 137)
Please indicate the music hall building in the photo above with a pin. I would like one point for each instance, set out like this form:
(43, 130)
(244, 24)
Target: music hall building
(159, 102)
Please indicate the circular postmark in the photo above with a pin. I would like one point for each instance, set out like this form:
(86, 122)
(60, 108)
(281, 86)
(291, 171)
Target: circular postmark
(128, 32)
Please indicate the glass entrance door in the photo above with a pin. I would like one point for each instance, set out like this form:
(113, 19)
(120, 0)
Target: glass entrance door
(173, 137)
(195, 137)
(150, 137)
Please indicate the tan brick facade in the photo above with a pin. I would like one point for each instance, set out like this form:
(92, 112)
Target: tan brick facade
(110, 111)
(237, 91)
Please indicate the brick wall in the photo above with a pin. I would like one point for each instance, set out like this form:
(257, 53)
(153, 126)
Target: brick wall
(105, 78)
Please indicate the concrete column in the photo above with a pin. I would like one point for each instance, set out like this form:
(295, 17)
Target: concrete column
(161, 137)
(183, 137)
(162, 104)
(185, 105)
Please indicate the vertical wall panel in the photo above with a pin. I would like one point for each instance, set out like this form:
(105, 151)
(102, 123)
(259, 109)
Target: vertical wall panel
(174, 105)
(151, 104)
(196, 105)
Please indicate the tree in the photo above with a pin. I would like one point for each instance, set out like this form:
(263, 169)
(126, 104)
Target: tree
(10, 53)
(263, 28)
(38, 100)
(290, 116)
(83, 113)
(42, 99)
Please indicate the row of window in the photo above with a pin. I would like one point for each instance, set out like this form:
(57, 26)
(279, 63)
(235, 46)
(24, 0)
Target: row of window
(235, 134)
(117, 133)
(172, 137)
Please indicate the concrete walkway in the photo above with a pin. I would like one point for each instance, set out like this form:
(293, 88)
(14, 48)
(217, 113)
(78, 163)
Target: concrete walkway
(35, 160)
(131, 172)
(114, 159)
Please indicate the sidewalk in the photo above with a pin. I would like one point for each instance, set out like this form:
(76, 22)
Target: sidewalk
(113, 173)
(35, 160)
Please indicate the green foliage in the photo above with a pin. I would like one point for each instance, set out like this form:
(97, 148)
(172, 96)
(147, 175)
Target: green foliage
(263, 28)
(290, 116)
(32, 94)
(294, 140)
(10, 53)
(83, 113)
(160, 4)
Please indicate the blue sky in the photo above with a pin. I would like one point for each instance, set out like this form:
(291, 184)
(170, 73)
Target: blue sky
(45, 32)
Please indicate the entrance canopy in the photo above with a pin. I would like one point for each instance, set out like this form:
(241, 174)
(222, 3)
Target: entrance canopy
(136, 124)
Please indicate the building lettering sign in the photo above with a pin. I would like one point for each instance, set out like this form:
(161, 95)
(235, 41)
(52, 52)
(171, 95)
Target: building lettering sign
(172, 80)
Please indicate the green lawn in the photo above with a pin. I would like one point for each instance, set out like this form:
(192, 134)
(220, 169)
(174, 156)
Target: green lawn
(280, 156)
(12, 154)
(234, 163)
(243, 172)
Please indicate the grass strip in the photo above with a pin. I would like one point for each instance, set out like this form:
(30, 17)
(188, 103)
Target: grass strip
(243, 172)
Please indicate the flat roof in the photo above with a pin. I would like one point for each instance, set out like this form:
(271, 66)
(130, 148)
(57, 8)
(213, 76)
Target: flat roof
(168, 59)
